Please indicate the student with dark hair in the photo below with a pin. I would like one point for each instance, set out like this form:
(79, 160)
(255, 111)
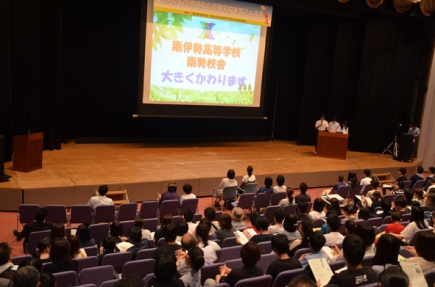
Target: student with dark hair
(317, 241)
(135, 238)
(47, 280)
(5, 258)
(356, 274)
(417, 222)
(208, 247)
(27, 276)
(430, 202)
(401, 173)
(279, 244)
(303, 187)
(139, 222)
(252, 218)
(187, 189)
(84, 235)
(57, 231)
(289, 199)
(116, 231)
(333, 236)
(349, 213)
(395, 227)
(226, 229)
(279, 187)
(170, 232)
(318, 209)
(43, 250)
(267, 188)
(250, 254)
(424, 251)
(302, 210)
(374, 185)
(249, 177)
(262, 225)
(170, 194)
(367, 177)
(38, 225)
(302, 280)
(394, 277)
(387, 252)
(188, 216)
(76, 252)
(418, 196)
(194, 262)
(364, 214)
(183, 228)
(60, 254)
(429, 176)
(340, 182)
(165, 272)
(334, 206)
(166, 219)
(109, 246)
(376, 203)
(226, 182)
(290, 227)
(210, 214)
(417, 176)
(306, 230)
(279, 217)
(100, 198)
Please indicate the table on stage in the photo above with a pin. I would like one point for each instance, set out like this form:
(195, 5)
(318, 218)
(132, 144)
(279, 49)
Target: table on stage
(332, 145)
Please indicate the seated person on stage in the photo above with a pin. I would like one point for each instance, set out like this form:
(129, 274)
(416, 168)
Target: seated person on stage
(317, 241)
(356, 275)
(279, 217)
(262, 225)
(187, 188)
(334, 126)
(249, 177)
(279, 187)
(367, 179)
(101, 198)
(303, 187)
(267, 188)
(289, 199)
(38, 225)
(171, 194)
(333, 236)
(395, 227)
(417, 176)
(225, 182)
(284, 262)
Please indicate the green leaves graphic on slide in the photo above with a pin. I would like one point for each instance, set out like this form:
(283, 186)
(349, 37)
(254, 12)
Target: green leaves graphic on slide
(167, 26)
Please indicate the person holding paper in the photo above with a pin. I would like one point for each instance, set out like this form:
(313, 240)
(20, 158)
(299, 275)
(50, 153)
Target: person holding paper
(284, 262)
(424, 251)
(317, 241)
(262, 225)
(356, 274)
(320, 126)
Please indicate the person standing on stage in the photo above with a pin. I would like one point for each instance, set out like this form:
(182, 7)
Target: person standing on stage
(415, 131)
(321, 125)
(344, 128)
(334, 126)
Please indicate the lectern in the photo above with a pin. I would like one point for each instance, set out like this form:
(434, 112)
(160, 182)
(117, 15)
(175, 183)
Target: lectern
(332, 145)
(27, 152)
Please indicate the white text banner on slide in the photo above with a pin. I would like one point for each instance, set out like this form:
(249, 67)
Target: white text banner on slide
(205, 56)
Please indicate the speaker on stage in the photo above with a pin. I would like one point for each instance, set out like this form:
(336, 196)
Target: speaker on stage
(406, 143)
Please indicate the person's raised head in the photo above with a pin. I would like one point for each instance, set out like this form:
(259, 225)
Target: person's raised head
(57, 231)
(60, 251)
(417, 216)
(268, 181)
(103, 189)
(306, 227)
(40, 214)
(353, 249)
(47, 280)
(393, 276)
(188, 241)
(135, 235)
(225, 221)
(408, 194)
(279, 215)
(364, 213)
(74, 242)
(366, 232)
(418, 193)
(333, 222)
(420, 169)
(231, 174)
(387, 250)
(340, 178)
(253, 216)
(302, 206)
(349, 209)
(170, 232)
(187, 188)
(196, 258)
(262, 223)
(367, 172)
(250, 254)
(317, 241)
(303, 187)
(202, 231)
(43, 245)
(425, 245)
(376, 195)
(318, 205)
(396, 216)
(280, 180)
(5, 253)
(374, 184)
(138, 222)
(237, 214)
(430, 197)
(27, 276)
(210, 213)
(249, 170)
(402, 170)
(302, 280)
(172, 186)
(165, 268)
(350, 226)
(279, 244)
(432, 181)
(188, 215)
(116, 229)
(290, 222)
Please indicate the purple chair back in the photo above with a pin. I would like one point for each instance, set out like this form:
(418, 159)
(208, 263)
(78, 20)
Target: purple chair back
(265, 260)
(265, 247)
(234, 263)
(169, 207)
(66, 278)
(145, 253)
(138, 268)
(197, 218)
(210, 271)
(104, 213)
(291, 209)
(147, 279)
(382, 227)
(17, 260)
(277, 197)
(56, 213)
(87, 262)
(405, 253)
(251, 187)
(127, 211)
(96, 275)
(389, 197)
(318, 222)
(229, 253)
(126, 226)
(366, 189)
(26, 213)
(418, 184)
(406, 217)
(355, 191)
(117, 260)
(407, 183)
(259, 281)
(191, 203)
(108, 283)
(367, 260)
(309, 206)
(262, 200)
(414, 237)
(81, 213)
(285, 277)
(245, 201)
(229, 241)
(151, 224)
(218, 215)
(34, 238)
(302, 251)
(99, 231)
(148, 209)
(376, 221)
(344, 190)
(337, 265)
(91, 250)
(270, 212)
(387, 220)
(176, 219)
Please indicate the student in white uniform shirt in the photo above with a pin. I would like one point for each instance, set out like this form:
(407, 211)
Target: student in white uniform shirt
(334, 126)
(320, 126)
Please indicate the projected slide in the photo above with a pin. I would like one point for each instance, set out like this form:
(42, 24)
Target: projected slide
(202, 59)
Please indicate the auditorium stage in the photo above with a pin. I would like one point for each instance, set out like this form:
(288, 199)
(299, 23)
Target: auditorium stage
(71, 175)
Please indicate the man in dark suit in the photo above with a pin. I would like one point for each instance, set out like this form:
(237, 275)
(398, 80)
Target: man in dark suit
(38, 225)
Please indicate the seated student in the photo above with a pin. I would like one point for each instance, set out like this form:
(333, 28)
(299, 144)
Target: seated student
(267, 188)
(302, 280)
(252, 218)
(146, 234)
(355, 275)
(349, 213)
(417, 222)
(249, 177)
(116, 231)
(43, 250)
(76, 252)
(306, 230)
(279, 187)
(5, 258)
(376, 202)
(262, 225)
(109, 246)
(432, 185)
(395, 227)
(374, 185)
(183, 228)
(135, 238)
(226, 228)
(364, 214)
(170, 194)
(387, 252)
(333, 236)
(237, 218)
(188, 216)
(394, 277)
(430, 202)
(290, 227)
(289, 199)
(302, 208)
(47, 280)
(318, 209)
(277, 227)
(27, 276)
(419, 196)
(417, 176)
(167, 219)
(424, 251)
(303, 187)
(194, 262)
(317, 241)
(85, 237)
(225, 182)
(284, 262)
(209, 247)
(334, 206)
(336, 186)
(210, 214)
(101, 198)
(60, 257)
(187, 188)
(165, 272)
(170, 232)
(367, 179)
(398, 188)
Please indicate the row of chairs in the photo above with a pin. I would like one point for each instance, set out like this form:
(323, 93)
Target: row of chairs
(82, 213)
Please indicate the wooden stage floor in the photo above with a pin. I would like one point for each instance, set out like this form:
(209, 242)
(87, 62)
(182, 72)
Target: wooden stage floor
(71, 175)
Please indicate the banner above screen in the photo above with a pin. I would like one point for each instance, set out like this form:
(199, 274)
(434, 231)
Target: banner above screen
(243, 12)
